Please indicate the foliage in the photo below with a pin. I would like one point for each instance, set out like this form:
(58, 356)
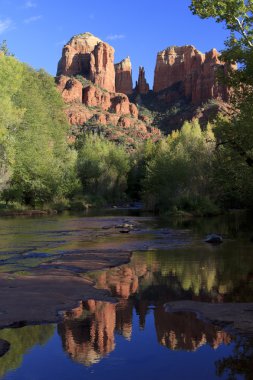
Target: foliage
(180, 168)
(237, 14)
(4, 49)
(11, 72)
(33, 136)
(234, 158)
(103, 167)
(138, 168)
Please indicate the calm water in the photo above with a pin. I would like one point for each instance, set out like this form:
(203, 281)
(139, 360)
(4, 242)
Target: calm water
(135, 337)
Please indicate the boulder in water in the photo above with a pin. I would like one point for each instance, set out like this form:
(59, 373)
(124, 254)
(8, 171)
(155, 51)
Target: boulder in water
(213, 239)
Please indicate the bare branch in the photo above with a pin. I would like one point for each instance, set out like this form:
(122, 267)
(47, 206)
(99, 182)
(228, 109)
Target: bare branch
(242, 31)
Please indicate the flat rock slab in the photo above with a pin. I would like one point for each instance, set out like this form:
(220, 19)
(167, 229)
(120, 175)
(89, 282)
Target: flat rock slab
(35, 292)
(238, 316)
(42, 295)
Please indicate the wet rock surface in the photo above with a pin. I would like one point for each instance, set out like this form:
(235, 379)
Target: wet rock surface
(49, 273)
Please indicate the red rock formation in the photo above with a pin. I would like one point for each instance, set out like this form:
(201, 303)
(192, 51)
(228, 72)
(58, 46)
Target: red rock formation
(70, 89)
(76, 53)
(142, 86)
(102, 71)
(77, 114)
(123, 77)
(96, 97)
(86, 80)
(133, 110)
(88, 56)
(120, 105)
(188, 73)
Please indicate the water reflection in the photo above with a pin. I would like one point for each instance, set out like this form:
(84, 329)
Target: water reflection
(183, 331)
(212, 274)
(240, 363)
(21, 340)
(88, 332)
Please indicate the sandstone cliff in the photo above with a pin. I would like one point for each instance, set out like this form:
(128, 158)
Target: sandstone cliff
(123, 76)
(142, 87)
(88, 56)
(86, 80)
(97, 91)
(184, 72)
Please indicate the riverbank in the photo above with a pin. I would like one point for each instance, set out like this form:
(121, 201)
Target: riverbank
(45, 277)
(47, 263)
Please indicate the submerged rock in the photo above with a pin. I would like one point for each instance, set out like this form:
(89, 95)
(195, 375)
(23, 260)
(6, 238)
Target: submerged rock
(213, 239)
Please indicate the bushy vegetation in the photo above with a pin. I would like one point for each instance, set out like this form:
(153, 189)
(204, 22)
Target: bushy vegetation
(179, 173)
(103, 167)
(234, 158)
(36, 162)
(197, 170)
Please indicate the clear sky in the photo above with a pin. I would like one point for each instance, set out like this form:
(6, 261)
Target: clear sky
(36, 30)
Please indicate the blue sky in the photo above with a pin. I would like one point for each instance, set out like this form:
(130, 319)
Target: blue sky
(36, 30)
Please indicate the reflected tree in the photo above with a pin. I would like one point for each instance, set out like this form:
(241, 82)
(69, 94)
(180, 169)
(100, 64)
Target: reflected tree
(240, 363)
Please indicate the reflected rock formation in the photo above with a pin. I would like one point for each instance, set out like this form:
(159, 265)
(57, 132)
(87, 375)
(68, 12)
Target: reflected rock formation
(142, 287)
(184, 331)
(88, 331)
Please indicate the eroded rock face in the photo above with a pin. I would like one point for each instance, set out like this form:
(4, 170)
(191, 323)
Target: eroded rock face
(120, 104)
(76, 53)
(186, 72)
(70, 89)
(96, 97)
(88, 56)
(142, 87)
(92, 108)
(123, 77)
(77, 114)
(96, 90)
(102, 70)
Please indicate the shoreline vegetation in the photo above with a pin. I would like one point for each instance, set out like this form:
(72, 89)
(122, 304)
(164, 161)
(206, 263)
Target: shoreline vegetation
(14, 210)
(196, 170)
(192, 171)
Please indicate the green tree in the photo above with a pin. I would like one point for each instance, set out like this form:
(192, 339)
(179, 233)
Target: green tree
(237, 15)
(4, 49)
(235, 134)
(103, 167)
(11, 72)
(33, 136)
(179, 173)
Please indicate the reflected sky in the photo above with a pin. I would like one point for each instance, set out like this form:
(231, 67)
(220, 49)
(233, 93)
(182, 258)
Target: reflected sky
(135, 337)
(93, 345)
